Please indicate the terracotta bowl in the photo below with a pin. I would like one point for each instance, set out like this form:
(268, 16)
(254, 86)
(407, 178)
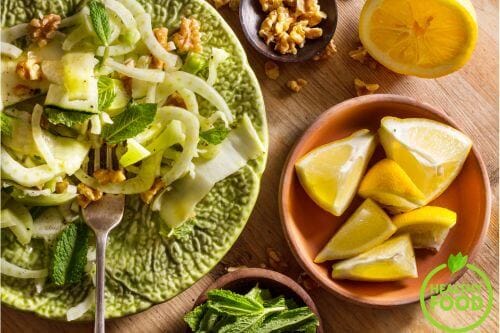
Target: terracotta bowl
(308, 228)
(242, 280)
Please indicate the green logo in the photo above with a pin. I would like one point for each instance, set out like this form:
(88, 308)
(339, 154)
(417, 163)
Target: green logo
(457, 297)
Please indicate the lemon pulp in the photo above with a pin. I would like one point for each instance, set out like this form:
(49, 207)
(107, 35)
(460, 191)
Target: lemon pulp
(368, 227)
(330, 174)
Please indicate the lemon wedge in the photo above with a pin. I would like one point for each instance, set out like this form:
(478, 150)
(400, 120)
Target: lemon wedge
(368, 227)
(431, 153)
(428, 226)
(388, 184)
(390, 261)
(330, 174)
(426, 38)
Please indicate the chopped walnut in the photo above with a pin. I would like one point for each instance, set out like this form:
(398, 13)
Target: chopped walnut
(21, 90)
(363, 88)
(176, 100)
(274, 259)
(362, 55)
(307, 282)
(272, 70)
(289, 23)
(234, 5)
(269, 5)
(327, 53)
(41, 31)
(188, 38)
(148, 196)
(235, 268)
(29, 68)
(105, 176)
(62, 186)
(87, 195)
(296, 85)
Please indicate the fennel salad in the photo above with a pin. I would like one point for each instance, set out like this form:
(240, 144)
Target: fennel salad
(100, 80)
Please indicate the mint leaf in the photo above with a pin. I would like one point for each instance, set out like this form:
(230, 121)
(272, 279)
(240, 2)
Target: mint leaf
(6, 124)
(259, 295)
(244, 324)
(290, 321)
(457, 262)
(135, 119)
(100, 21)
(106, 92)
(215, 135)
(69, 255)
(65, 117)
(225, 301)
(208, 321)
(194, 317)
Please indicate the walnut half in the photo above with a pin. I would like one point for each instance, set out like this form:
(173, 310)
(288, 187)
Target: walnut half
(188, 38)
(41, 31)
(29, 68)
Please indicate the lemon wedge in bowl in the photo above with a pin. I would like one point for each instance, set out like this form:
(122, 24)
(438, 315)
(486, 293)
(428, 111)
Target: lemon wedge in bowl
(390, 261)
(330, 174)
(428, 226)
(431, 153)
(367, 227)
(388, 184)
(425, 38)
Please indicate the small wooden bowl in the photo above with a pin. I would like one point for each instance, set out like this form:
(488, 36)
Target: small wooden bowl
(251, 17)
(308, 228)
(244, 279)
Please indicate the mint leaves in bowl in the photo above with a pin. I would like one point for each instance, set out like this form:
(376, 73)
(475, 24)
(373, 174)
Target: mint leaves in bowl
(254, 300)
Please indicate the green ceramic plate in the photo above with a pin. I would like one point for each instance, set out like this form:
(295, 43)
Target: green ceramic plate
(142, 267)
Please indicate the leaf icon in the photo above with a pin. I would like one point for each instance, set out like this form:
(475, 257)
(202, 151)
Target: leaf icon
(457, 262)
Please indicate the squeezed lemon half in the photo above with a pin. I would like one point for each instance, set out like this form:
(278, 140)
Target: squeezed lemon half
(425, 38)
(431, 153)
(330, 174)
(367, 227)
(428, 226)
(390, 261)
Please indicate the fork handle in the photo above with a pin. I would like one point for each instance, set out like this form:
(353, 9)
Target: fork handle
(100, 309)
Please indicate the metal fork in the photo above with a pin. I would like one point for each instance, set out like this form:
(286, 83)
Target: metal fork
(102, 216)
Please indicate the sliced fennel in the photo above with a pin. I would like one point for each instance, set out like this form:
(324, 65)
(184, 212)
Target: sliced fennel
(15, 32)
(59, 98)
(81, 308)
(39, 138)
(53, 71)
(135, 153)
(178, 204)
(78, 70)
(22, 223)
(218, 57)
(177, 80)
(139, 87)
(74, 37)
(191, 130)
(12, 270)
(146, 30)
(142, 182)
(150, 75)
(10, 50)
(170, 136)
(48, 225)
(43, 199)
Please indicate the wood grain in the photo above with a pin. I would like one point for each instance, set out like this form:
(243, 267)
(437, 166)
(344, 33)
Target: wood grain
(469, 96)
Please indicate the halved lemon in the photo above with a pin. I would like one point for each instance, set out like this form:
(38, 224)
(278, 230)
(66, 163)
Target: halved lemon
(388, 184)
(330, 174)
(431, 153)
(426, 38)
(390, 261)
(428, 226)
(368, 227)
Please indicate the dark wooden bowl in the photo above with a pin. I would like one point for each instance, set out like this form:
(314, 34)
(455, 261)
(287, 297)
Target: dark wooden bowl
(242, 280)
(251, 17)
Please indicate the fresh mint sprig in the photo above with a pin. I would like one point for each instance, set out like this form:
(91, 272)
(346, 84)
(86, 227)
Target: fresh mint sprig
(69, 255)
(106, 92)
(135, 119)
(215, 135)
(257, 311)
(100, 21)
(6, 124)
(65, 117)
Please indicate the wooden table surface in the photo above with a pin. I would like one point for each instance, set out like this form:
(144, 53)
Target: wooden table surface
(469, 96)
